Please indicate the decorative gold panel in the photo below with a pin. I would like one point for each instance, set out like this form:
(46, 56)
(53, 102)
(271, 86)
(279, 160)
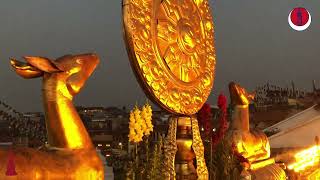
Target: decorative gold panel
(171, 48)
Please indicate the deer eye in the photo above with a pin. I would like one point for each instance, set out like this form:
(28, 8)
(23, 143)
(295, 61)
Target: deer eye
(79, 61)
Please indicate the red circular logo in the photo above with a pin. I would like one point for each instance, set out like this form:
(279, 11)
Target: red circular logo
(299, 16)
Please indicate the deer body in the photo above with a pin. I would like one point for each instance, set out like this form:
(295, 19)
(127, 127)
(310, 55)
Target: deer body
(71, 154)
(31, 164)
(252, 144)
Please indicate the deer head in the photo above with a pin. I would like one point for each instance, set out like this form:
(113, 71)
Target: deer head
(71, 71)
(239, 96)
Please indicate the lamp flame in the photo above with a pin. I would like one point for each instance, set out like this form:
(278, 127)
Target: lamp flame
(306, 158)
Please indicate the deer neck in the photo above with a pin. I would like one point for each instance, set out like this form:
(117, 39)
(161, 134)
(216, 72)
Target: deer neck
(240, 118)
(64, 125)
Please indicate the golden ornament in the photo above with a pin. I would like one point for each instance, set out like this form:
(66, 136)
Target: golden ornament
(171, 48)
(170, 45)
(70, 153)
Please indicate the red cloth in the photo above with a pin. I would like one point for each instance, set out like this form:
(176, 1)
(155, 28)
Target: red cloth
(204, 118)
(218, 136)
(222, 102)
(11, 168)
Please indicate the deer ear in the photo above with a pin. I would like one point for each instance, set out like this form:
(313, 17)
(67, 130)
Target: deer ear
(43, 64)
(252, 95)
(25, 70)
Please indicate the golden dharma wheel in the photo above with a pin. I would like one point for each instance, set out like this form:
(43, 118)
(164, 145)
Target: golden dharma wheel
(171, 48)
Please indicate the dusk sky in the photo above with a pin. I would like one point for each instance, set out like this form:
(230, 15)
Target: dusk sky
(254, 44)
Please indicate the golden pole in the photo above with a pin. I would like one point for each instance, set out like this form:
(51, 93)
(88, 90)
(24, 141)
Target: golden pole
(170, 149)
(182, 145)
(185, 154)
(198, 148)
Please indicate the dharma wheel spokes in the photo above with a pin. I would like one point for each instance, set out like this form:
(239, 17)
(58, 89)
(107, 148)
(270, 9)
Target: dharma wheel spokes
(171, 49)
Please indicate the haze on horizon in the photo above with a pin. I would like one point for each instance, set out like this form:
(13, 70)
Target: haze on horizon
(254, 45)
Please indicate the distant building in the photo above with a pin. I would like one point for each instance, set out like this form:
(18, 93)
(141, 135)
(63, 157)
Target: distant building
(269, 95)
(4, 132)
(106, 126)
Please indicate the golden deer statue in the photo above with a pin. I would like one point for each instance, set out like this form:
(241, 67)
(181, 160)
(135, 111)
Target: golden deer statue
(251, 144)
(70, 153)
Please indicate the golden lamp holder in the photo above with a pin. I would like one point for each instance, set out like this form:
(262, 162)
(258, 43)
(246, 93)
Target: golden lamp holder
(183, 145)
